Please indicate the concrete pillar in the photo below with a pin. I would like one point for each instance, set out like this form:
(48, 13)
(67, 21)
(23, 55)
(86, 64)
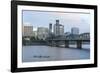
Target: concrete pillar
(66, 44)
(57, 43)
(53, 43)
(48, 42)
(79, 44)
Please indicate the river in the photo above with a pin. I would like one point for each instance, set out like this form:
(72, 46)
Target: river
(47, 53)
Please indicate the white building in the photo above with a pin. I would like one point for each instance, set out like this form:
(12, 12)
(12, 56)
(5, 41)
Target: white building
(42, 33)
(35, 34)
(61, 30)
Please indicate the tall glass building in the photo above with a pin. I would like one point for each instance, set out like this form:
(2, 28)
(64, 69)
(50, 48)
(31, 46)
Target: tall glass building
(58, 29)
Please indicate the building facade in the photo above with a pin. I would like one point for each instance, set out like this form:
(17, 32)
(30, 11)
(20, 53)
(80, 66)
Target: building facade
(50, 29)
(42, 33)
(75, 31)
(35, 34)
(61, 30)
(58, 29)
(27, 31)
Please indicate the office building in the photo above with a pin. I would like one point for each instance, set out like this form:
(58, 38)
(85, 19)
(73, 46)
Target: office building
(75, 30)
(58, 29)
(35, 34)
(42, 33)
(27, 31)
(50, 29)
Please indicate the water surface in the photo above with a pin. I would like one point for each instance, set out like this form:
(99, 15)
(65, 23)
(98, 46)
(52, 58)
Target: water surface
(47, 53)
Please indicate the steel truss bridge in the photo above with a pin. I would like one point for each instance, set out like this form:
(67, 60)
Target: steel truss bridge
(66, 41)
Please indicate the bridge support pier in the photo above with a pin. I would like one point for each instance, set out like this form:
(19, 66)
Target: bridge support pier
(53, 43)
(66, 44)
(57, 43)
(79, 44)
(49, 43)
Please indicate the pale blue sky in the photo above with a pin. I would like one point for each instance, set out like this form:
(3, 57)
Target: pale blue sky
(69, 20)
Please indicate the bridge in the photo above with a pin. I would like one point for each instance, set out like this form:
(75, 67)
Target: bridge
(66, 41)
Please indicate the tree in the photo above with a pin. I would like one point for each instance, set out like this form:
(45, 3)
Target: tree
(23, 41)
(32, 38)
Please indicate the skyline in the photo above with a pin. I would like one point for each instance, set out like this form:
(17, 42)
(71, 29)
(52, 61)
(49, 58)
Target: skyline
(69, 20)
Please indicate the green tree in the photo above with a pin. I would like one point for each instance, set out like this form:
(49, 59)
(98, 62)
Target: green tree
(32, 38)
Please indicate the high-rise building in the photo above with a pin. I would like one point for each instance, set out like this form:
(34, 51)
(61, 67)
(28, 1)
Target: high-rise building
(61, 30)
(42, 33)
(75, 30)
(50, 29)
(58, 29)
(27, 31)
(35, 34)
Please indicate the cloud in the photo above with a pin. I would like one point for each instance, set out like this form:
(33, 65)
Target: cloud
(72, 18)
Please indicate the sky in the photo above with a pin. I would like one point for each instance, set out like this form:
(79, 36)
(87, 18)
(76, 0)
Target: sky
(68, 19)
